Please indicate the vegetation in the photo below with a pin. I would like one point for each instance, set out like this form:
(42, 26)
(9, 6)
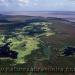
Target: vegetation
(27, 39)
(40, 40)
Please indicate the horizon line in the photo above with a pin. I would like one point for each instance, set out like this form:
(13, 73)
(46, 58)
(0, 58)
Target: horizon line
(41, 11)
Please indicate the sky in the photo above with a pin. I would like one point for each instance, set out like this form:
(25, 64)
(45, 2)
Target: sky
(37, 5)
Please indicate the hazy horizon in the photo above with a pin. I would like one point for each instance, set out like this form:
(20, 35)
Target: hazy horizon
(69, 15)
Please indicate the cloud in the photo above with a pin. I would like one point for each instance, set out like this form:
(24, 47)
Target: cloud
(24, 1)
(4, 2)
(13, 1)
(36, 4)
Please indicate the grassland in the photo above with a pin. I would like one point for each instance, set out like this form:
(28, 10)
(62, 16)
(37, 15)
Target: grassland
(24, 47)
(1, 39)
(27, 39)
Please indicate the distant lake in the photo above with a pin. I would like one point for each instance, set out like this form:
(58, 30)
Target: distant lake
(69, 15)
